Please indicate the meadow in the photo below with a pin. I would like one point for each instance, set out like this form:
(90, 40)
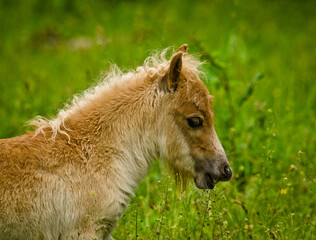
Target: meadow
(259, 66)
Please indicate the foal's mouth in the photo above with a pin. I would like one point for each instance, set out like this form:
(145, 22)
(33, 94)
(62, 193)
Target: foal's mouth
(205, 181)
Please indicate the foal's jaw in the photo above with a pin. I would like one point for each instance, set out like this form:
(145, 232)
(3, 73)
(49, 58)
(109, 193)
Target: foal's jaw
(204, 181)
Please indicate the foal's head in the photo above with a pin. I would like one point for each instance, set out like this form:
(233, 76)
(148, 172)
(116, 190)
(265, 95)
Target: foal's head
(194, 149)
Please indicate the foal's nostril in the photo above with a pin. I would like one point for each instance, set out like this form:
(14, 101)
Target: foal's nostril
(227, 172)
(227, 169)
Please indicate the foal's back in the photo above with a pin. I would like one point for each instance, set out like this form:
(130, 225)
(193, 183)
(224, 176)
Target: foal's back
(18, 157)
(21, 156)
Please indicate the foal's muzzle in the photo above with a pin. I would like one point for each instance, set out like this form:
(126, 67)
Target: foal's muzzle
(211, 171)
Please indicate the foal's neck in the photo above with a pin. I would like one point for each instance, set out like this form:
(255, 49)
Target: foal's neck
(124, 124)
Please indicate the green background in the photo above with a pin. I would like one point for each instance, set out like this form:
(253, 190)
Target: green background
(260, 66)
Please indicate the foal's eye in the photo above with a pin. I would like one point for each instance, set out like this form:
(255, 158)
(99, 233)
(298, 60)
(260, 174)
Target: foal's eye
(195, 122)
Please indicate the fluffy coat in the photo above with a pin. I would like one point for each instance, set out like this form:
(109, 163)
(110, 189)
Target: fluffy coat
(74, 175)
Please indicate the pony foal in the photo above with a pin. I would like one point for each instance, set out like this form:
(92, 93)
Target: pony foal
(97, 150)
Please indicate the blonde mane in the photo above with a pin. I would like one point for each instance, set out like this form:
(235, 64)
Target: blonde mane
(155, 65)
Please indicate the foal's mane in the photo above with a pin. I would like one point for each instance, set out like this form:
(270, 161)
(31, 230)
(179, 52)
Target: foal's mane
(155, 65)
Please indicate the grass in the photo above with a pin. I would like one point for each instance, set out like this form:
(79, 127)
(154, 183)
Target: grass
(260, 65)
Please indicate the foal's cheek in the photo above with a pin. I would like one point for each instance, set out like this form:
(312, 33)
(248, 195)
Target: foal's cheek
(201, 145)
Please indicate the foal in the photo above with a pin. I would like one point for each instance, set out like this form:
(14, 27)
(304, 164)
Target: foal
(97, 150)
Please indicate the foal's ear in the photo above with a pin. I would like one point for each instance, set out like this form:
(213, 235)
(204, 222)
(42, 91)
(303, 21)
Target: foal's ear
(171, 80)
(175, 70)
(183, 48)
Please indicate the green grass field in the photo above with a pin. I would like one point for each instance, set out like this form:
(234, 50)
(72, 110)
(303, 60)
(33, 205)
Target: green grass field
(260, 66)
